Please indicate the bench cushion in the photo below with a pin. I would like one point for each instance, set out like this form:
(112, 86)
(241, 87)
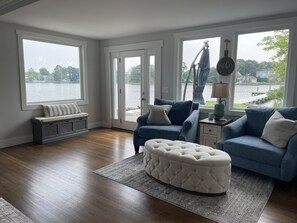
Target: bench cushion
(60, 118)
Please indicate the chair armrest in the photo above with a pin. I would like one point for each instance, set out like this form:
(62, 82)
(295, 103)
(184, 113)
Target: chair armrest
(235, 129)
(190, 127)
(232, 130)
(141, 120)
(289, 162)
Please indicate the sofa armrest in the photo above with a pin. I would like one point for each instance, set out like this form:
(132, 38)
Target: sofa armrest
(190, 127)
(235, 129)
(289, 162)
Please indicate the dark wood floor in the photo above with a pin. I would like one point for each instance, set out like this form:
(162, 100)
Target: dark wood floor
(55, 183)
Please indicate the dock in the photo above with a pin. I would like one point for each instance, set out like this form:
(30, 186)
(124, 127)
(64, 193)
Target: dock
(258, 99)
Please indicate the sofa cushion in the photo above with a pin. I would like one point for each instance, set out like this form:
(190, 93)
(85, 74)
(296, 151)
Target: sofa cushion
(288, 112)
(179, 112)
(160, 131)
(255, 149)
(158, 115)
(278, 130)
(256, 120)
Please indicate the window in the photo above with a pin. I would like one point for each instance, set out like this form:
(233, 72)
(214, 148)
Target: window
(51, 69)
(190, 49)
(261, 68)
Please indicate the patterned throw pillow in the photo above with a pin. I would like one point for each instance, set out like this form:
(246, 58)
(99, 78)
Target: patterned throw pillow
(60, 109)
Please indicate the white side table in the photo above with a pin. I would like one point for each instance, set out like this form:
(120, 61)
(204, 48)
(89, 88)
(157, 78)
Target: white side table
(211, 131)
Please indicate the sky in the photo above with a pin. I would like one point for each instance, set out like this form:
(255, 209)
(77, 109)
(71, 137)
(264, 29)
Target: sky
(247, 50)
(41, 54)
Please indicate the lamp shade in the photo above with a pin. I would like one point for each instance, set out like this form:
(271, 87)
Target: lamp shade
(220, 90)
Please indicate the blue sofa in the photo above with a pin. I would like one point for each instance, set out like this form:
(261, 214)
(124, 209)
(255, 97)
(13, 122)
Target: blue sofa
(184, 117)
(242, 141)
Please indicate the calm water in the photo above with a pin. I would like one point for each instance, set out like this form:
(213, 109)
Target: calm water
(51, 92)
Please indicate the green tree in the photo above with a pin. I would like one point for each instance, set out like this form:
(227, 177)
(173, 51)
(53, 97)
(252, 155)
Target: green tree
(73, 74)
(59, 73)
(279, 44)
(212, 76)
(32, 75)
(185, 73)
(246, 67)
(133, 75)
(44, 72)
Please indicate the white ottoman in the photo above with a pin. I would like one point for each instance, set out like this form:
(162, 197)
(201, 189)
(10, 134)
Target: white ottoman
(189, 166)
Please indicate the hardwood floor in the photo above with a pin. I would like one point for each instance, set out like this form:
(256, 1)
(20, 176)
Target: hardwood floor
(55, 183)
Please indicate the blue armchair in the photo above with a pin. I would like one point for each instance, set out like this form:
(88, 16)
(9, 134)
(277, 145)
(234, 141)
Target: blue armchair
(242, 141)
(184, 116)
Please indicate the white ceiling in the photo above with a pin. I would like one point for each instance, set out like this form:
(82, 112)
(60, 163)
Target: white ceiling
(104, 19)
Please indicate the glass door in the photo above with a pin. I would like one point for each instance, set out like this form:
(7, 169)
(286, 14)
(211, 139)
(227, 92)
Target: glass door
(129, 97)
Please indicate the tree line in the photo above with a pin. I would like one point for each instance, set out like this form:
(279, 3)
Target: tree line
(66, 74)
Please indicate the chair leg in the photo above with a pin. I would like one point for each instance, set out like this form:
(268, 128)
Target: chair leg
(136, 147)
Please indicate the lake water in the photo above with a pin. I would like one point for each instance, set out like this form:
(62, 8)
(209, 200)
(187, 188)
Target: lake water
(52, 92)
(66, 91)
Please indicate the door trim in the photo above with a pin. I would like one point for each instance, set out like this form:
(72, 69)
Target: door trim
(147, 46)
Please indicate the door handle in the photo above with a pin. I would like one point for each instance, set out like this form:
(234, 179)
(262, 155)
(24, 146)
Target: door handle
(143, 99)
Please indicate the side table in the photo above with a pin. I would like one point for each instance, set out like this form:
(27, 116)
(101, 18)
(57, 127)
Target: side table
(211, 131)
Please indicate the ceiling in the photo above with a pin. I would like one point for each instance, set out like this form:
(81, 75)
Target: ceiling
(105, 19)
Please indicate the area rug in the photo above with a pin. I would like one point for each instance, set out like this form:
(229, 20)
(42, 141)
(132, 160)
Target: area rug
(9, 214)
(244, 201)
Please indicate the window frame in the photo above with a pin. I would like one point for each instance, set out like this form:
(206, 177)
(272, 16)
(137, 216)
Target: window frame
(257, 29)
(186, 36)
(82, 46)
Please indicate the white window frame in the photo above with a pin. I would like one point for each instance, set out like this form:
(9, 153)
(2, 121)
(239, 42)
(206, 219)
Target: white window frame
(230, 32)
(82, 45)
(257, 30)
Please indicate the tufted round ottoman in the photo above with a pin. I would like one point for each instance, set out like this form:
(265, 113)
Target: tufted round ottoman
(189, 166)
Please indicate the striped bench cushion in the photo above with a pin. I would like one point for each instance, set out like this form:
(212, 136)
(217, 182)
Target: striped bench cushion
(61, 118)
(61, 109)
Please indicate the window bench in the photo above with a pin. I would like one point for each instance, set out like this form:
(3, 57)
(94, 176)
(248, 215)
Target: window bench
(49, 129)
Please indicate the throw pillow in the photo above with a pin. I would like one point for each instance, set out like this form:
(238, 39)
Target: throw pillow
(179, 112)
(279, 130)
(158, 115)
(256, 120)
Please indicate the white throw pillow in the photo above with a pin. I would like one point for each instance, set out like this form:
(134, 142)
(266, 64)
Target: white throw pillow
(158, 115)
(279, 130)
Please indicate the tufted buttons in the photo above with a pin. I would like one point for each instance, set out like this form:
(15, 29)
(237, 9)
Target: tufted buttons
(189, 166)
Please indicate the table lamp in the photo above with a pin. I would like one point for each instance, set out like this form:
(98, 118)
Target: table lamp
(220, 90)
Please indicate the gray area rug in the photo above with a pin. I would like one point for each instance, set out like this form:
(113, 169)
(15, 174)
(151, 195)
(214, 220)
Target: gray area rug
(9, 214)
(244, 201)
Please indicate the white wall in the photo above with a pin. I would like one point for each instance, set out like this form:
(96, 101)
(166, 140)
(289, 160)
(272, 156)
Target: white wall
(15, 125)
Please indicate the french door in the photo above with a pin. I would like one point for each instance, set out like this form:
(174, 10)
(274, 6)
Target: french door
(133, 86)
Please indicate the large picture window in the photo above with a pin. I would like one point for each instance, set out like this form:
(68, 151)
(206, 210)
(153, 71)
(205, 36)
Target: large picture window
(261, 69)
(52, 69)
(190, 49)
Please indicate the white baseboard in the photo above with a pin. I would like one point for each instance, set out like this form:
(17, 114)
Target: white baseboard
(92, 125)
(15, 141)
